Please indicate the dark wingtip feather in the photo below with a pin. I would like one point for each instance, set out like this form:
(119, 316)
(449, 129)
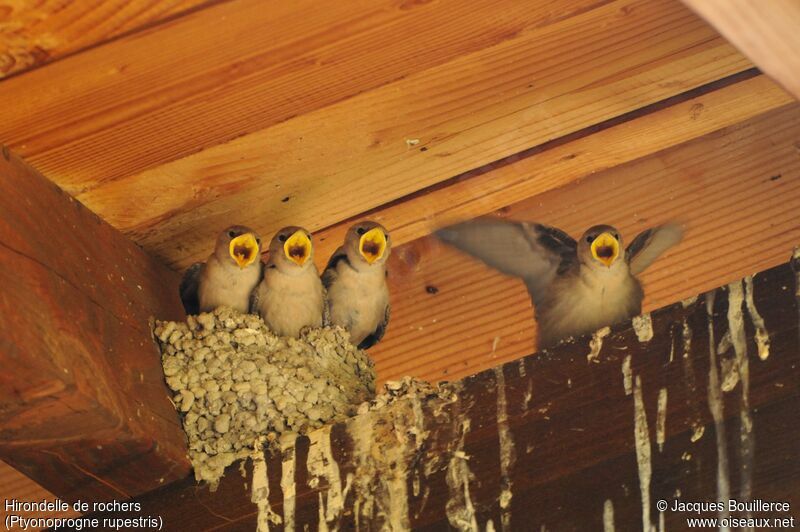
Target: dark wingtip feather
(188, 289)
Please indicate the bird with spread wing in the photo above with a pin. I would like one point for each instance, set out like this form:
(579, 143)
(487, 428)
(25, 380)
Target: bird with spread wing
(576, 287)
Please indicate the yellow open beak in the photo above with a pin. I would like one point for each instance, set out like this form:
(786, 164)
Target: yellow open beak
(298, 247)
(372, 245)
(244, 249)
(605, 248)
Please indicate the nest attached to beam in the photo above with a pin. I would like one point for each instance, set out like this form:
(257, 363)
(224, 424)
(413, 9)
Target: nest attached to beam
(237, 384)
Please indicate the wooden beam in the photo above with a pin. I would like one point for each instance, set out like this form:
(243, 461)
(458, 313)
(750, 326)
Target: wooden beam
(555, 440)
(766, 33)
(84, 410)
(737, 191)
(466, 106)
(36, 33)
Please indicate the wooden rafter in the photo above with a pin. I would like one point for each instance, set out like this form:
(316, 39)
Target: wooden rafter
(84, 410)
(764, 32)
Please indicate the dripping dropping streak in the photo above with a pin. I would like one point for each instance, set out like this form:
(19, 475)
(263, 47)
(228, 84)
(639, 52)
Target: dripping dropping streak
(526, 398)
(643, 326)
(691, 381)
(643, 452)
(762, 336)
(507, 454)
(627, 379)
(321, 464)
(382, 446)
(715, 404)
(739, 341)
(260, 495)
(287, 443)
(459, 508)
(596, 343)
(661, 419)
(608, 516)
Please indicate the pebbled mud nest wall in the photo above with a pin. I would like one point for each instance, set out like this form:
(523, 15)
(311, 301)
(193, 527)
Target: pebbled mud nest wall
(239, 386)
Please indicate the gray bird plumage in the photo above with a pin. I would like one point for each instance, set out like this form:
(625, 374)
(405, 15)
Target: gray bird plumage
(576, 287)
(355, 280)
(229, 275)
(290, 295)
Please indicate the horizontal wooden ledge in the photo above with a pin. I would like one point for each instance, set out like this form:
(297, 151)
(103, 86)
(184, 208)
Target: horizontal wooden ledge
(635, 426)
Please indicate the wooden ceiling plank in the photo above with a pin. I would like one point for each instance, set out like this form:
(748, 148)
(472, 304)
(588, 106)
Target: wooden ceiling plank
(766, 33)
(524, 175)
(234, 68)
(735, 189)
(36, 33)
(574, 430)
(299, 171)
(84, 410)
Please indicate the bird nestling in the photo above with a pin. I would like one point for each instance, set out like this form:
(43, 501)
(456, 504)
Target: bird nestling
(229, 275)
(290, 295)
(576, 287)
(355, 280)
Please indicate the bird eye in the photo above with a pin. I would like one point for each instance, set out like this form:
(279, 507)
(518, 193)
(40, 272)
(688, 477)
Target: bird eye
(258, 242)
(282, 238)
(616, 236)
(231, 234)
(590, 239)
(360, 231)
(387, 236)
(308, 235)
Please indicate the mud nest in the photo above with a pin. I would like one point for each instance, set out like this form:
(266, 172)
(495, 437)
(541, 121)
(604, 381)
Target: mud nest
(239, 386)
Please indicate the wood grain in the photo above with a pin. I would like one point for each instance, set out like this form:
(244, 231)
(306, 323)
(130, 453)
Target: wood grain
(467, 110)
(572, 426)
(736, 190)
(33, 33)
(766, 33)
(84, 410)
(558, 163)
(195, 82)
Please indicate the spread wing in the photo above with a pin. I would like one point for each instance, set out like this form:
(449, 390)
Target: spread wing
(189, 288)
(376, 336)
(534, 252)
(330, 274)
(651, 244)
